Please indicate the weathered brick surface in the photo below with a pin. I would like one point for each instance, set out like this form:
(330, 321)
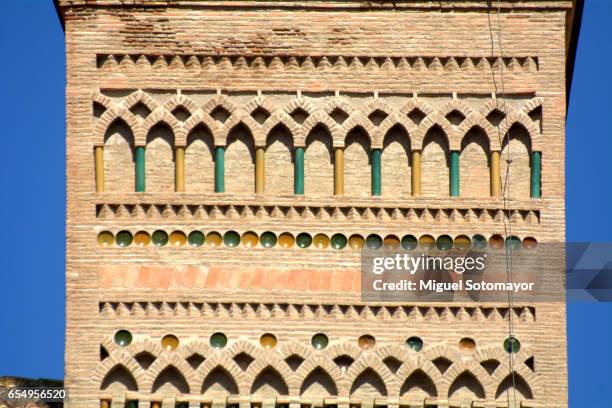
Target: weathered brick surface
(245, 55)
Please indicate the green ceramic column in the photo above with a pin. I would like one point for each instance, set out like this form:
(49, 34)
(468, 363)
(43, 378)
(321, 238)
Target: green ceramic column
(298, 171)
(536, 174)
(140, 169)
(376, 172)
(220, 169)
(454, 174)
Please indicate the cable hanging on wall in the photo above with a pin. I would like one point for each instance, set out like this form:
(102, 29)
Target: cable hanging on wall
(505, 188)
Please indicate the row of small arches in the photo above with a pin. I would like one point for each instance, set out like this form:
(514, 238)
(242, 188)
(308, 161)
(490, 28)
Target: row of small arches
(320, 168)
(221, 114)
(416, 380)
(294, 361)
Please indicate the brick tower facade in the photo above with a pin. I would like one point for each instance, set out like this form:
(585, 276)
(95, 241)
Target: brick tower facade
(226, 161)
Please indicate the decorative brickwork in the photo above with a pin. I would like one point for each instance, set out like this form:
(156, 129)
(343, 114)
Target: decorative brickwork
(262, 124)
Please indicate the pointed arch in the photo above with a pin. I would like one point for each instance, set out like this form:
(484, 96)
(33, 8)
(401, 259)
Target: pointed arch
(522, 119)
(359, 120)
(119, 157)
(240, 119)
(418, 385)
(140, 97)
(458, 105)
(368, 383)
(159, 158)
(510, 385)
(474, 164)
(201, 118)
(219, 100)
(466, 386)
(110, 116)
(321, 119)
(181, 100)
(269, 383)
(119, 379)
(516, 184)
(279, 162)
(200, 160)
(171, 381)
(219, 382)
(240, 161)
(434, 120)
(396, 163)
(318, 383)
(419, 104)
(435, 163)
(319, 163)
(357, 163)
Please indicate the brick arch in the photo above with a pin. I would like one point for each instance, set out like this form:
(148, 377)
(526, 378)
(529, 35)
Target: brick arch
(191, 347)
(433, 393)
(528, 377)
(103, 100)
(181, 100)
(341, 103)
(285, 376)
(244, 346)
(200, 118)
(356, 120)
(379, 104)
(157, 117)
(229, 374)
(394, 119)
(364, 365)
(299, 349)
(309, 107)
(223, 359)
(146, 345)
(167, 360)
(400, 352)
(119, 359)
(320, 117)
(330, 376)
(447, 386)
(458, 105)
(219, 100)
(442, 350)
(458, 368)
(281, 118)
(274, 360)
(260, 101)
(532, 104)
(491, 353)
(240, 116)
(318, 361)
(418, 363)
(341, 349)
(493, 104)
(140, 96)
(429, 122)
(109, 117)
(417, 102)
(525, 121)
(477, 120)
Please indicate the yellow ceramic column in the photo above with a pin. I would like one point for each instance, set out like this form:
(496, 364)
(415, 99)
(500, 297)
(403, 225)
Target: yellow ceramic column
(495, 175)
(260, 176)
(339, 171)
(416, 173)
(179, 172)
(99, 157)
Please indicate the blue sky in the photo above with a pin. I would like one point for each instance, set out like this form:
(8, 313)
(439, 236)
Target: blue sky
(32, 180)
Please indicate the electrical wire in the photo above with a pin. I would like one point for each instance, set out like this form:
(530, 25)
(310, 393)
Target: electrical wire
(508, 242)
